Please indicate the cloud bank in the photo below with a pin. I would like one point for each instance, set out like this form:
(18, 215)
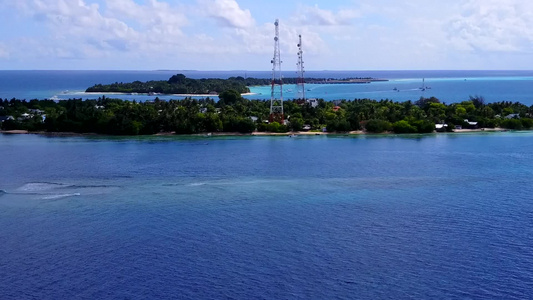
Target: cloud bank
(231, 34)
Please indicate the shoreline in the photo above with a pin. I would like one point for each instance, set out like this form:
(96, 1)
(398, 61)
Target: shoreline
(215, 134)
(155, 95)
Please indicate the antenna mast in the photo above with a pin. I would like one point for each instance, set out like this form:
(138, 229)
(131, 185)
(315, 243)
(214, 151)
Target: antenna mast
(300, 82)
(276, 105)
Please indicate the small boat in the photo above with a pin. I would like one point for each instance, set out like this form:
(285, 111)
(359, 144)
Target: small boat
(424, 87)
(292, 135)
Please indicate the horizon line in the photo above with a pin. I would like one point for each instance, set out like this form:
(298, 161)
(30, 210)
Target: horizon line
(238, 70)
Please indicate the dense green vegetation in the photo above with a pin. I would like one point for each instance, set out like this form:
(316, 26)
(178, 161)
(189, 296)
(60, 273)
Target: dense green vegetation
(233, 113)
(177, 84)
(180, 84)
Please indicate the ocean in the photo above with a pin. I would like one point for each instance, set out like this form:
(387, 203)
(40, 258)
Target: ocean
(448, 86)
(439, 216)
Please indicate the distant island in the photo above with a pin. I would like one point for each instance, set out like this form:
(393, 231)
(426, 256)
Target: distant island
(233, 114)
(180, 84)
(177, 84)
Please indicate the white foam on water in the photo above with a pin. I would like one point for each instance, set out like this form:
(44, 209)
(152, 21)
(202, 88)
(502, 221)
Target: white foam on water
(50, 190)
(59, 196)
(237, 182)
(40, 186)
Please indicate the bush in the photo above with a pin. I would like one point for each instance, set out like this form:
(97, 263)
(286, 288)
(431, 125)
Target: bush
(10, 125)
(527, 123)
(353, 119)
(450, 128)
(377, 126)
(515, 124)
(296, 124)
(239, 124)
(338, 125)
(424, 126)
(262, 127)
(487, 123)
(403, 127)
(272, 127)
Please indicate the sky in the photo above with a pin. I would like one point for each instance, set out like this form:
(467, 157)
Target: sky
(239, 34)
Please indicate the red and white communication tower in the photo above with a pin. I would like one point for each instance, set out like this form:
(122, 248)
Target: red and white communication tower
(300, 82)
(276, 98)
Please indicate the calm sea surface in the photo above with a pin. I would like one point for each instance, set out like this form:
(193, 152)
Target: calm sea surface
(321, 217)
(448, 86)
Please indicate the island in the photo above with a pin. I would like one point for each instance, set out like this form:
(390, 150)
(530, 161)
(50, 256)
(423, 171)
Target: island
(179, 84)
(233, 114)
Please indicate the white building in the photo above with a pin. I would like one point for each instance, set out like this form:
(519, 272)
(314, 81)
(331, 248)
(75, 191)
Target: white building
(313, 102)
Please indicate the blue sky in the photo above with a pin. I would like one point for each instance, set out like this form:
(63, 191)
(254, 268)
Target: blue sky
(238, 34)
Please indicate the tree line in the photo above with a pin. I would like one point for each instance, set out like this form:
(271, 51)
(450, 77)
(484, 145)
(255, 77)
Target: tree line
(233, 113)
(177, 84)
(180, 84)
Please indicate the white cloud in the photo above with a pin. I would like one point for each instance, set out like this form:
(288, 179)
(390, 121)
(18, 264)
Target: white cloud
(74, 23)
(259, 40)
(154, 16)
(313, 15)
(228, 13)
(383, 34)
(79, 29)
(82, 30)
(493, 26)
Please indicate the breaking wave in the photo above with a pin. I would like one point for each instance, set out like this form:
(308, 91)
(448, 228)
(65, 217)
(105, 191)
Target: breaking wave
(53, 190)
(59, 196)
(36, 187)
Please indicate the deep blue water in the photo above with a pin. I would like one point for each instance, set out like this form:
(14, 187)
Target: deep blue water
(448, 86)
(321, 217)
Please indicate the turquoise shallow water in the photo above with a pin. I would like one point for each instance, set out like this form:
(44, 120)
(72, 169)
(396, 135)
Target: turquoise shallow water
(449, 90)
(448, 86)
(436, 216)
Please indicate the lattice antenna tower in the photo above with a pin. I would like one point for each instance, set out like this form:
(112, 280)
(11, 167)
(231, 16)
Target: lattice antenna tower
(300, 82)
(276, 103)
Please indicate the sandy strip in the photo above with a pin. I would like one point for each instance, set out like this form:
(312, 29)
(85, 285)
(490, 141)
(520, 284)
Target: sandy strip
(14, 131)
(257, 133)
(497, 129)
(304, 133)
